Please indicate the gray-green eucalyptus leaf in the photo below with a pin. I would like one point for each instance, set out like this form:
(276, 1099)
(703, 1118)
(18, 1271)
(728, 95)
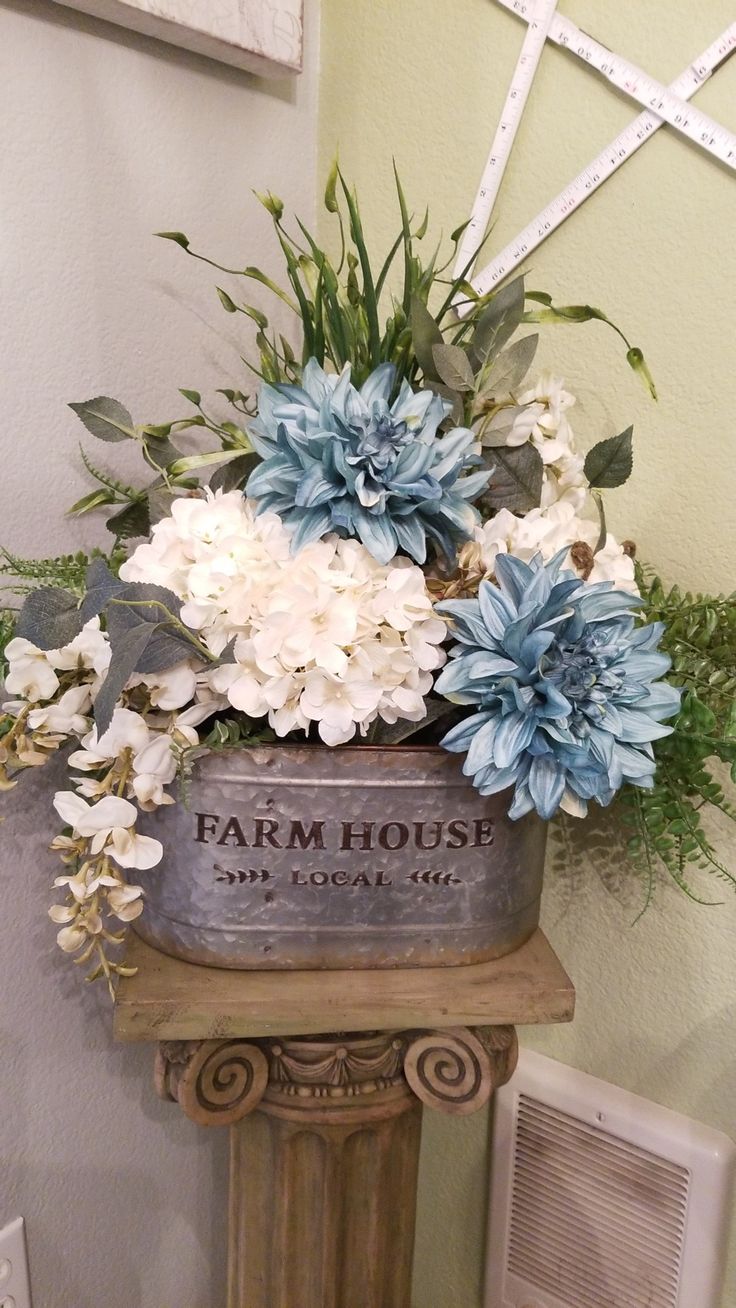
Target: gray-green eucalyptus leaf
(233, 475)
(140, 604)
(159, 502)
(498, 322)
(167, 647)
(141, 601)
(161, 452)
(511, 366)
(453, 366)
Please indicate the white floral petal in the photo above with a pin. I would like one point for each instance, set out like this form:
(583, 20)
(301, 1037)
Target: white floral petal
(110, 811)
(71, 938)
(62, 913)
(130, 850)
(128, 912)
(70, 807)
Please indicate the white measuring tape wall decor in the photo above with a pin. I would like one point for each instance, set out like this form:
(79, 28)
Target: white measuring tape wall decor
(699, 127)
(671, 106)
(521, 82)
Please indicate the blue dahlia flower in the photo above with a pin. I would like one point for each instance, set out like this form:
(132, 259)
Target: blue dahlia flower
(565, 684)
(347, 460)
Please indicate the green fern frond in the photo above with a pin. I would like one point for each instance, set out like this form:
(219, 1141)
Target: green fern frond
(667, 821)
(67, 571)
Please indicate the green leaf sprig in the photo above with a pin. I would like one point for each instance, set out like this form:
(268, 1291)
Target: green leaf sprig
(108, 420)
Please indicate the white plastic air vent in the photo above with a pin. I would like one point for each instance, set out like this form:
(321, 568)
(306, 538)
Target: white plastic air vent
(600, 1199)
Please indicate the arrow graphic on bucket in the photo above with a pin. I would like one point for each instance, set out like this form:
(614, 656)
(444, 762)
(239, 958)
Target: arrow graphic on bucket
(434, 878)
(242, 875)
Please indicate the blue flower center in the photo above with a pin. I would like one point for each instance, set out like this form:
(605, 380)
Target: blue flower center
(581, 673)
(573, 671)
(379, 440)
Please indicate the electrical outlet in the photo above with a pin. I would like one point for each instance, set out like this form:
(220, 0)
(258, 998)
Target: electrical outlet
(15, 1285)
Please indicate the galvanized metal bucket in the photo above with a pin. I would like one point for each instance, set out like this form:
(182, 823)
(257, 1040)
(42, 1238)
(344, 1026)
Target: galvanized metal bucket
(357, 857)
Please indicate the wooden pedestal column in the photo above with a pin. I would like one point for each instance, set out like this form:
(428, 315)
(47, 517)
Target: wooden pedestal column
(323, 1185)
(325, 1129)
(325, 1137)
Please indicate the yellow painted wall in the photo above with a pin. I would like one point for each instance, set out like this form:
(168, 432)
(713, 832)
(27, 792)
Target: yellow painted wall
(425, 80)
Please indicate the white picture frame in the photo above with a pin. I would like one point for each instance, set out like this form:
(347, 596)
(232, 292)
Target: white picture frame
(261, 36)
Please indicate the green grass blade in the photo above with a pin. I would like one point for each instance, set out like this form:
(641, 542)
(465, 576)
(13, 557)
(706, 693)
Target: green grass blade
(306, 310)
(387, 264)
(407, 243)
(369, 290)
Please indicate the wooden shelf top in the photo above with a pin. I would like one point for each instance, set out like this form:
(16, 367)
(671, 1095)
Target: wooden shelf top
(171, 1000)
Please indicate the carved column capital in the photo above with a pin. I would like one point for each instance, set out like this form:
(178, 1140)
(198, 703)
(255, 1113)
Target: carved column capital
(456, 1070)
(340, 1079)
(215, 1082)
(337, 1078)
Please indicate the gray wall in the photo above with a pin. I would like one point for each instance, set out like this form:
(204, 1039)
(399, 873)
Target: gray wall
(106, 138)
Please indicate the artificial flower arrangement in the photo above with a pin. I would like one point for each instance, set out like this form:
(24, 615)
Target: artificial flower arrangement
(399, 536)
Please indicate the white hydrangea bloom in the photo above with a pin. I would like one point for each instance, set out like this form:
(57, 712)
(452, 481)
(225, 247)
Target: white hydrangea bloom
(551, 432)
(539, 415)
(339, 703)
(207, 547)
(566, 514)
(545, 532)
(565, 480)
(327, 636)
(610, 563)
